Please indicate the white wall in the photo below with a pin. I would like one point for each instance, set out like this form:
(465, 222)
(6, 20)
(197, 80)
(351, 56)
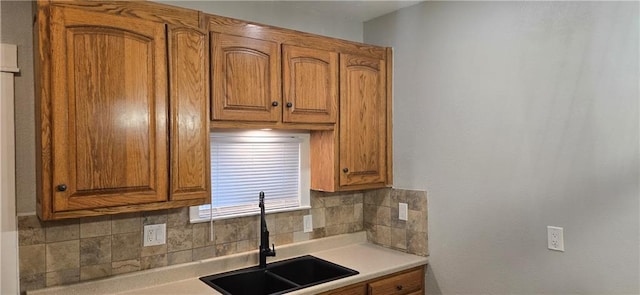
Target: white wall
(284, 14)
(15, 28)
(8, 226)
(514, 116)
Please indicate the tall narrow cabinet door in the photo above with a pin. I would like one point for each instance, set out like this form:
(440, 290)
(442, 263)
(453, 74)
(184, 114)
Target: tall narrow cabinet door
(109, 103)
(362, 120)
(189, 96)
(310, 83)
(246, 79)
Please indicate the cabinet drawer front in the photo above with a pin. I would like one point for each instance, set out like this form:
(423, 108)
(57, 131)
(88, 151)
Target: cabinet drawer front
(360, 289)
(396, 285)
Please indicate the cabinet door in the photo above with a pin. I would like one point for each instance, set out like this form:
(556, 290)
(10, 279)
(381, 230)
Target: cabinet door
(246, 79)
(109, 110)
(189, 96)
(362, 120)
(310, 83)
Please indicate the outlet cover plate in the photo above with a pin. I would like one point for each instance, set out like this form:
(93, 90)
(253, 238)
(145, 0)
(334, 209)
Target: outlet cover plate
(155, 234)
(555, 238)
(403, 211)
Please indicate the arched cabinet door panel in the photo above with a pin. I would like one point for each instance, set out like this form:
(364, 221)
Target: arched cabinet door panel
(363, 120)
(310, 83)
(108, 110)
(245, 76)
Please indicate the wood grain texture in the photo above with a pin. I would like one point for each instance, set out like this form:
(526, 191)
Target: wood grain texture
(42, 78)
(323, 153)
(109, 110)
(269, 125)
(389, 98)
(411, 280)
(126, 209)
(357, 289)
(144, 10)
(310, 85)
(400, 284)
(245, 79)
(363, 124)
(285, 36)
(189, 97)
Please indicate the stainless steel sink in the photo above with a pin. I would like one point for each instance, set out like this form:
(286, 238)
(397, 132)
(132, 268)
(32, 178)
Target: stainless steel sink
(278, 277)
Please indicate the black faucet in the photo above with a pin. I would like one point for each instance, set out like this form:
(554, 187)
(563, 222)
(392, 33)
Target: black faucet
(264, 236)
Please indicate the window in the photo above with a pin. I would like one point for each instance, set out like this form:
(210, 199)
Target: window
(245, 163)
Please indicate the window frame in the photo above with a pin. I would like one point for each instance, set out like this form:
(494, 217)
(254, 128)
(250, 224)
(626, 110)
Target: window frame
(202, 213)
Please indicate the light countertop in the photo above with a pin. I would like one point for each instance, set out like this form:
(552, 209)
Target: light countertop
(351, 250)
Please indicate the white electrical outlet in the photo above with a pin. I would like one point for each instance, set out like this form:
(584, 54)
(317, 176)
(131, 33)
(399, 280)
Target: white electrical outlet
(154, 234)
(308, 223)
(555, 238)
(403, 211)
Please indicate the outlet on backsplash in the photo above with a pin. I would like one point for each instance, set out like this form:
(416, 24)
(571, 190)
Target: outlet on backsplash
(154, 234)
(384, 225)
(403, 211)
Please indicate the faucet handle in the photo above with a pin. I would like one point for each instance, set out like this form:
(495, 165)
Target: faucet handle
(273, 249)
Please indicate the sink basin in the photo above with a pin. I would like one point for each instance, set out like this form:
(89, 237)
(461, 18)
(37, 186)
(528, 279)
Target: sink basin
(249, 281)
(308, 269)
(278, 277)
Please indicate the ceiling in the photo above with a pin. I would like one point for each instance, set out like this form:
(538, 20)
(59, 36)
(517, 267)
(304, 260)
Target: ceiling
(362, 10)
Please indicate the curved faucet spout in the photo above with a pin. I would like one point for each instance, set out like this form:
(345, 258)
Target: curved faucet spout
(264, 250)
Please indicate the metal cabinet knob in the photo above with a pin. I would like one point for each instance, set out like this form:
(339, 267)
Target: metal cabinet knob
(275, 103)
(399, 287)
(289, 104)
(345, 170)
(62, 187)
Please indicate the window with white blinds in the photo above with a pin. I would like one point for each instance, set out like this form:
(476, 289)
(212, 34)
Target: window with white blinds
(244, 165)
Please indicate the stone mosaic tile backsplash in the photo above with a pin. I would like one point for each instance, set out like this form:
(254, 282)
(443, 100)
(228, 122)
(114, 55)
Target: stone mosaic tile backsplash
(70, 251)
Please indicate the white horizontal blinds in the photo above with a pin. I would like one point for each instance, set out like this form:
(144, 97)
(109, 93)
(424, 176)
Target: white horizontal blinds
(241, 167)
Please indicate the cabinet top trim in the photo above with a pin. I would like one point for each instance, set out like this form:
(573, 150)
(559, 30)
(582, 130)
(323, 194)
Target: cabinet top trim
(138, 9)
(248, 29)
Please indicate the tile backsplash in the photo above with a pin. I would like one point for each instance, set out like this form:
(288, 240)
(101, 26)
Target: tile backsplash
(385, 228)
(71, 251)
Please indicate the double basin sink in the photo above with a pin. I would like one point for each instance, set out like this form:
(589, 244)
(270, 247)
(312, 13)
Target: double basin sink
(278, 277)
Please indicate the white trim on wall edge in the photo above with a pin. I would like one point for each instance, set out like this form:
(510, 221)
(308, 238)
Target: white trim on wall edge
(9, 278)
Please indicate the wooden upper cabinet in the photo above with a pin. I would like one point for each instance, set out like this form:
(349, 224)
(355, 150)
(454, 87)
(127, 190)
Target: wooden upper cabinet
(363, 121)
(189, 97)
(310, 83)
(245, 79)
(109, 110)
(123, 108)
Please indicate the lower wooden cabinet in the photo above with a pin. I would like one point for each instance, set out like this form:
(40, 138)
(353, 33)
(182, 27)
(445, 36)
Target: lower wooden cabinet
(404, 283)
(409, 282)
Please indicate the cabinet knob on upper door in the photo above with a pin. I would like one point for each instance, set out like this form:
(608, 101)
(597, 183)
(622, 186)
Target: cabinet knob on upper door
(62, 187)
(289, 104)
(275, 103)
(345, 170)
